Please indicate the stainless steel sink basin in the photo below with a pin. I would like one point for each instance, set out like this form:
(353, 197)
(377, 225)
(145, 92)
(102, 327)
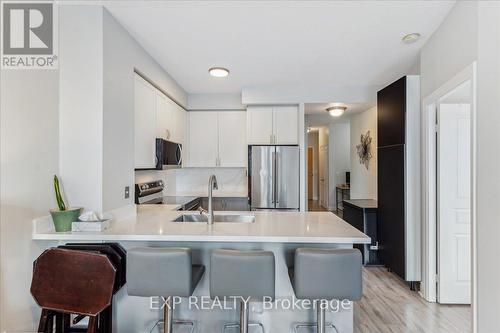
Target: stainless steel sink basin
(231, 218)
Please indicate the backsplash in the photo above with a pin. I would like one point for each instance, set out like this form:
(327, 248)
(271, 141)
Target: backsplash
(194, 180)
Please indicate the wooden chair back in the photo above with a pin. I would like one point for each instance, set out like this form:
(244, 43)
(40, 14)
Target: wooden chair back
(70, 281)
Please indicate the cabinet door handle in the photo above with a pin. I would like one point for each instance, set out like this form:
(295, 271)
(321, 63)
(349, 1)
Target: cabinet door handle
(270, 138)
(167, 133)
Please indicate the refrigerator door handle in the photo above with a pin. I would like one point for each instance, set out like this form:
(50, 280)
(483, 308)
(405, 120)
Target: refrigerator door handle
(274, 177)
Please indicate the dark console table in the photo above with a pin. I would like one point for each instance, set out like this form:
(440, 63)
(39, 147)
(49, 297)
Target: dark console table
(362, 214)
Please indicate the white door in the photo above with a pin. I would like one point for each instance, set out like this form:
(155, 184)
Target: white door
(232, 139)
(144, 124)
(259, 125)
(286, 125)
(454, 190)
(203, 141)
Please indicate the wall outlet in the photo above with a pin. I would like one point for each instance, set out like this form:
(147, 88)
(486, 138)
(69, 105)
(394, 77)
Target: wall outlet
(127, 192)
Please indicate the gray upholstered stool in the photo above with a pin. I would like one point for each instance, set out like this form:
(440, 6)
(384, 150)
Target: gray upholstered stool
(326, 274)
(242, 274)
(163, 272)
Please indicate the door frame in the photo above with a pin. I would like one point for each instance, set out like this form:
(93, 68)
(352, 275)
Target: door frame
(429, 193)
(314, 174)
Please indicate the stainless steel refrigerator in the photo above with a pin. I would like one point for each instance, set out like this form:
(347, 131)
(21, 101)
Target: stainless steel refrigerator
(274, 177)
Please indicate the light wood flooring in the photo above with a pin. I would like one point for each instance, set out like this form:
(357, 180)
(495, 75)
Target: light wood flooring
(314, 206)
(389, 306)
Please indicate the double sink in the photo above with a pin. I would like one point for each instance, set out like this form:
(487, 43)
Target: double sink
(231, 218)
(216, 204)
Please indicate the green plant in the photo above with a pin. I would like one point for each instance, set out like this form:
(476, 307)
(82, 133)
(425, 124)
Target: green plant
(59, 199)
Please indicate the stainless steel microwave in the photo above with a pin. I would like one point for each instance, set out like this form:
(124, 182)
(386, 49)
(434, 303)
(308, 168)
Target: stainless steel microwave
(168, 154)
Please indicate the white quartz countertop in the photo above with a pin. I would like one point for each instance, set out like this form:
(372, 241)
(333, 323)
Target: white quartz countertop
(154, 223)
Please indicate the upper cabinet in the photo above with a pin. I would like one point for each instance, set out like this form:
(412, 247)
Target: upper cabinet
(144, 124)
(217, 139)
(272, 125)
(260, 125)
(286, 125)
(232, 138)
(203, 139)
(171, 119)
(156, 116)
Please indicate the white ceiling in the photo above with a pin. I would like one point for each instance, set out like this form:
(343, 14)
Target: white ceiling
(266, 43)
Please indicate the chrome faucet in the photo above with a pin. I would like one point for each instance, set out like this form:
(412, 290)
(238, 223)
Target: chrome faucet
(212, 185)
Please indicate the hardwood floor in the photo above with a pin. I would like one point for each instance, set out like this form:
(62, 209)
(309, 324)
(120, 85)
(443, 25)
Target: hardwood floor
(314, 206)
(388, 306)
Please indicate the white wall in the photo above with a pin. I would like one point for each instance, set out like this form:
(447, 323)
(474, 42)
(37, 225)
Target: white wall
(472, 32)
(29, 159)
(81, 105)
(451, 48)
(488, 160)
(97, 105)
(338, 156)
(122, 54)
(363, 181)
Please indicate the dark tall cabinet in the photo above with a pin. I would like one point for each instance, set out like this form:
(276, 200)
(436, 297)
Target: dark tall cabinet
(398, 137)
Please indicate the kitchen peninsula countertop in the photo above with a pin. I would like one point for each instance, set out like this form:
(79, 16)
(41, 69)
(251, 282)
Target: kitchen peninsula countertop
(154, 223)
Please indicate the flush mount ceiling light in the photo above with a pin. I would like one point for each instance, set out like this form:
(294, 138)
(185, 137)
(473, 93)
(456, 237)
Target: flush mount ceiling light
(218, 72)
(336, 110)
(411, 38)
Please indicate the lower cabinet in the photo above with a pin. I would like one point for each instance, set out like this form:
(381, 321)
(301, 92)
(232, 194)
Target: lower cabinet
(362, 214)
(227, 204)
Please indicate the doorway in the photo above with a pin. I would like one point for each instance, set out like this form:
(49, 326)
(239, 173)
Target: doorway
(313, 186)
(449, 196)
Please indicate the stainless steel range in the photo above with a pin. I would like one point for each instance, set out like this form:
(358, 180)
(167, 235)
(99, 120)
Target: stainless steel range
(151, 193)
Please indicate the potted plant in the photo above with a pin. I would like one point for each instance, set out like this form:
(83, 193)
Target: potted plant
(63, 217)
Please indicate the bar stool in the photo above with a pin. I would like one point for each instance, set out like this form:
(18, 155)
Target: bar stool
(242, 274)
(72, 282)
(325, 274)
(163, 272)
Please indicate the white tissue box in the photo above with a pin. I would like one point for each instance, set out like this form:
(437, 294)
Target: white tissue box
(90, 226)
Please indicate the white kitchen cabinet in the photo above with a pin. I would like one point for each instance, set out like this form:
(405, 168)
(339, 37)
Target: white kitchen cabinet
(180, 125)
(232, 139)
(202, 139)
(217, 139)
(156, 116)
(272, 125)
(145, 124)
(259, 125)
(171, 119)
(164, 116)
(286, 125)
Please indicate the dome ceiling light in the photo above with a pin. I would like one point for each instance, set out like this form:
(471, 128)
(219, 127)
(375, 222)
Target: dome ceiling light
(218, 72)
(336, 110)
(411, 38)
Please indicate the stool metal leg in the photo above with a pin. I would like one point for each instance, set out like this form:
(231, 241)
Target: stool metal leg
(168, 320)
(320, 319)
(167, 316)
(243, 317)
(243, 324)
(321, 323)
